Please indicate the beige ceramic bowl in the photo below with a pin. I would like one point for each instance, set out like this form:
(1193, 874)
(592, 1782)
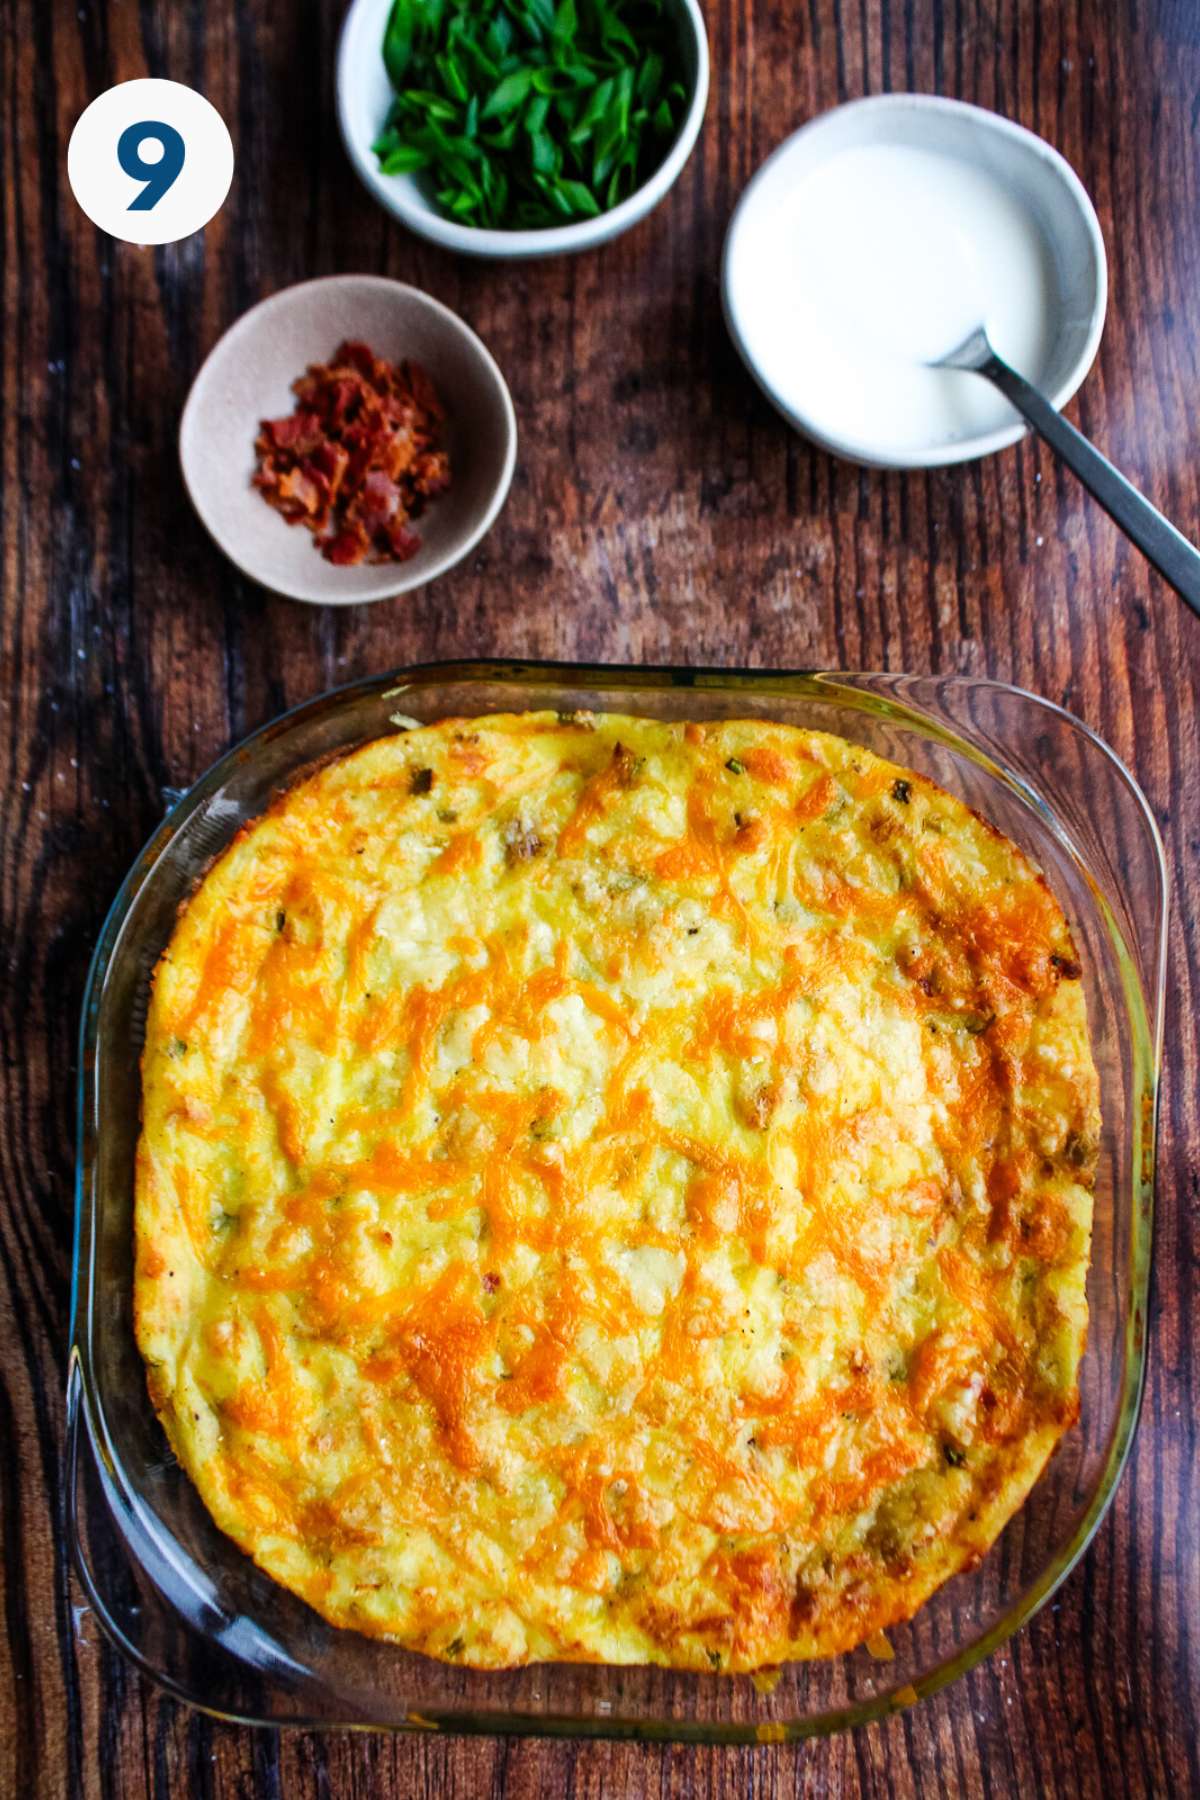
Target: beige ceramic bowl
(248, 377)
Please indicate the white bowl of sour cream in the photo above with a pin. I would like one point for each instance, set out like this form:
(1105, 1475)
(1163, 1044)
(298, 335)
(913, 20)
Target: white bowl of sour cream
(874, 240)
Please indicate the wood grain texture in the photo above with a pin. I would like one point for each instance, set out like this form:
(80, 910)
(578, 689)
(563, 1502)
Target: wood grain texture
(661, 511)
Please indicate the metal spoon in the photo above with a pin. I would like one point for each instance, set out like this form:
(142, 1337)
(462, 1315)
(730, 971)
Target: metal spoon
(1154, 536)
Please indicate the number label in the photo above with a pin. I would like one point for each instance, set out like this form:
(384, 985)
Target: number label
(150, 162)
(159, 176)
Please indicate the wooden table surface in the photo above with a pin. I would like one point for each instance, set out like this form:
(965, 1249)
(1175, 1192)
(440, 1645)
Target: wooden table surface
(660, 512)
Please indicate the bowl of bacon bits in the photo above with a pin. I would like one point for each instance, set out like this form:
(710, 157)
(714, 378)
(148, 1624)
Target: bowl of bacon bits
(348, 439)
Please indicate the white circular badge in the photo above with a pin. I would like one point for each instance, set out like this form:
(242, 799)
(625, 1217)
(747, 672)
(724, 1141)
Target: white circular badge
(150, 161)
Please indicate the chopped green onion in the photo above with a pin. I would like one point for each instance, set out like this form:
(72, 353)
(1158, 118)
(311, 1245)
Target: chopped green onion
(529, 113)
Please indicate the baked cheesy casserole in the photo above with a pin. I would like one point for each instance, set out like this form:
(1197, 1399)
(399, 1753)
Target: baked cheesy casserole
(614, 1190)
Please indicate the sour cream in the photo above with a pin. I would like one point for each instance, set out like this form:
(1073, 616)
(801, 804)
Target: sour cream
(849, 273)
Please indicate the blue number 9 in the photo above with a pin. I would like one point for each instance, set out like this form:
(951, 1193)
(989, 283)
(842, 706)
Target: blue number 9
(158, 176)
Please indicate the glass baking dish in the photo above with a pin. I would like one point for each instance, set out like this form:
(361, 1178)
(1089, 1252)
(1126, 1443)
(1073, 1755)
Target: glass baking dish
(193, 1612)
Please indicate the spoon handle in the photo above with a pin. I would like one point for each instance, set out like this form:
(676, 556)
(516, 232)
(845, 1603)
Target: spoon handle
(1154, 535)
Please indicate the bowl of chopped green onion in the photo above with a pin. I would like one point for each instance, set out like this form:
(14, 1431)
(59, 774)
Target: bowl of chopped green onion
(518, 128)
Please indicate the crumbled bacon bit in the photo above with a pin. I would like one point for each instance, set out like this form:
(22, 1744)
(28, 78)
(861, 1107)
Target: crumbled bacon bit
(625, 766)
(757, 1109)
(358, 458)
(521, 842)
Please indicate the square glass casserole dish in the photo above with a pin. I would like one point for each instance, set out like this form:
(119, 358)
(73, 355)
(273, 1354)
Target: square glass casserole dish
(191, 1611)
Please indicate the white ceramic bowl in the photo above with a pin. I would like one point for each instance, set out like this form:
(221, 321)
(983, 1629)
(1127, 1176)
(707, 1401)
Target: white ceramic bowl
(364, 94)
(248, 377)
(1033, 172)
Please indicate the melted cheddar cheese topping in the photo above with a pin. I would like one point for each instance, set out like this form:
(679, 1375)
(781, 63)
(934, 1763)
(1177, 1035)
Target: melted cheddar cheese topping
(615, 1190)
